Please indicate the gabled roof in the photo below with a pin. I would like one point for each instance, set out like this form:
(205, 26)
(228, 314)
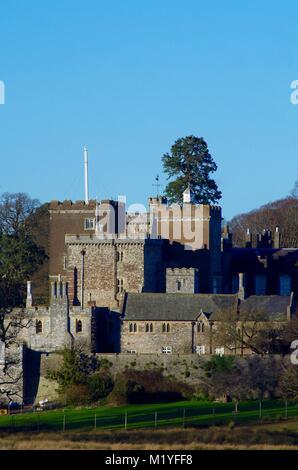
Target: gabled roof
(175, 307)
(188, 307)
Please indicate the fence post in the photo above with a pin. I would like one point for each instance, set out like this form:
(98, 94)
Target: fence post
(125, 421)
(95, 423)
(63, 428)
(260, 409)
(155, 419)
(286, 409)
(184, 417)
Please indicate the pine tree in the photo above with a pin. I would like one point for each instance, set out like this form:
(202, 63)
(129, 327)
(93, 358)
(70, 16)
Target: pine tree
(191, 164)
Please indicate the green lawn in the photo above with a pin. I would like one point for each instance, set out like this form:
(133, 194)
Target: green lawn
(144, 416)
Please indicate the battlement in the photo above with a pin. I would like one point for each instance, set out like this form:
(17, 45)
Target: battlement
(92, 239)
(182, 271)
(72, 205)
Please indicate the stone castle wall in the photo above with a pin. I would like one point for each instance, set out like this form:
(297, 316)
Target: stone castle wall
(178, 339)
(112, 267)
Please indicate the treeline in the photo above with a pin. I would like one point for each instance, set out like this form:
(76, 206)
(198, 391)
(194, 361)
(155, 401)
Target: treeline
(282, 213)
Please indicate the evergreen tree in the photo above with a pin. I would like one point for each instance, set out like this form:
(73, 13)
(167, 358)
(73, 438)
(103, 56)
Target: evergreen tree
(191, 164)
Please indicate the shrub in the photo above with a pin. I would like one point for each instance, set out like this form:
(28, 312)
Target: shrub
(100, 385)
(147, 386)
(76, 395)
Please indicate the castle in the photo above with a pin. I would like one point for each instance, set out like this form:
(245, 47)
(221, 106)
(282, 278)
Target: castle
(157, 283)
(144, 283)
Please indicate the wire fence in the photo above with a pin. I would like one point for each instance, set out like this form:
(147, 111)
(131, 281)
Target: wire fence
(188, 416)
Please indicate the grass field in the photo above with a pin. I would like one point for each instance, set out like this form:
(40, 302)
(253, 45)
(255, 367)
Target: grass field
(178, 414)
(282, 435)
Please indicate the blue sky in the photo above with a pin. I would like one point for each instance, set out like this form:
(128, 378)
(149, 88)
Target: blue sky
(128, 77)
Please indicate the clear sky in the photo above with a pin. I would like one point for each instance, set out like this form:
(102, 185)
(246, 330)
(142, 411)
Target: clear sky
(128, 77)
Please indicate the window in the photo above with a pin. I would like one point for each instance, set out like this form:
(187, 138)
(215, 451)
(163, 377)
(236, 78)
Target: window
(132, 327)
(285, 285)
(89, 224)
(79, 326)
(201, 327)
(120, 287)
(132, 351)
(166, 328)
(260, 284)
(65, 263)
(166, 350)
(38, 327)
(178, 285)
(119, 256)
(200, 350)
(219, 351)
(149, 327)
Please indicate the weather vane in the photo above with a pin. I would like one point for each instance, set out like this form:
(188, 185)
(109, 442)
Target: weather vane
(157, 185)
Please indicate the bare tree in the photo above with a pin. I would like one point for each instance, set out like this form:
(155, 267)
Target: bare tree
(294, 192)
(14, 211)
(250, 331)
(12, 325)
(282, 213)
(289, 380)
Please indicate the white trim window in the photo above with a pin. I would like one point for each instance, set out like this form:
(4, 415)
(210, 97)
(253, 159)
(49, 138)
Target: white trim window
(89, 224)
(166, 350)
(220, 351)
(200, 350)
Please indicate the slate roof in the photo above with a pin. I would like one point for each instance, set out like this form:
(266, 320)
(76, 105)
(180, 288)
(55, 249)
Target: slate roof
(187, 307)
(270, 307)
(175, 307)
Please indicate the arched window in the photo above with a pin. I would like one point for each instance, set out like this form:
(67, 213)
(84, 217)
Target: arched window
(38, 327)
(151, 328)
(147, 328)
(131, 327)
(168, 328)
(135, 328)
(163, 327)
(178, 285)
(201, 327)
(79, 326)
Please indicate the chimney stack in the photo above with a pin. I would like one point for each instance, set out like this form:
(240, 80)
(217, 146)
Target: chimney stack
(241, 289)
(276, 242)
(248, 239)
(29, 299)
